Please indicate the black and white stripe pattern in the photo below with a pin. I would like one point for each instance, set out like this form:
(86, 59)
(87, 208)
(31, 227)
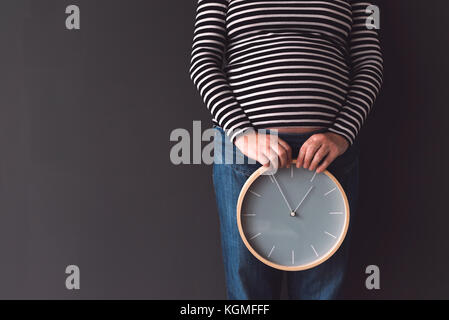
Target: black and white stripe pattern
(288, 64)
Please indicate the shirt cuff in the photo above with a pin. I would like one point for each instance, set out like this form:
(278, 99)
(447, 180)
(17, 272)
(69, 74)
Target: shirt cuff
(240, 131)
(342, 133)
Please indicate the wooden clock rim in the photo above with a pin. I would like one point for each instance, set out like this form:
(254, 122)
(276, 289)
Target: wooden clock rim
(325, 257)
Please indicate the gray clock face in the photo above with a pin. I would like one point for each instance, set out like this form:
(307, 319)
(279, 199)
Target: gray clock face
(294, 219)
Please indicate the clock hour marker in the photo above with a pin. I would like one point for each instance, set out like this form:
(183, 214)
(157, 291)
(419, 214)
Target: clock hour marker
(293, 256)
(316, 253)
(256, 194)
(291, 172)
(255, 236)
(334, 213)
(271, 251)
(329, 234)
(330, 191)
(311, 180)
(249, 215)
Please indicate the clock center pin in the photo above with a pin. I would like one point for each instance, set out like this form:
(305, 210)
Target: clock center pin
(293, 214)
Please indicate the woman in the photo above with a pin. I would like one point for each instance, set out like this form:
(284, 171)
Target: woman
(308, 70)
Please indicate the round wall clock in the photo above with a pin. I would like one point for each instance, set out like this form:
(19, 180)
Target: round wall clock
(294, 219)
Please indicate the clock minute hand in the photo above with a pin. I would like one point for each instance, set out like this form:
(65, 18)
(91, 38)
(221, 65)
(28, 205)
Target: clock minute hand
(303, 198)
(282, 193)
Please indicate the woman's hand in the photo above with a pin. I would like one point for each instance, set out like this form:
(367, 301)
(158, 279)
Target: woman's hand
(268, 150)
(320, 150)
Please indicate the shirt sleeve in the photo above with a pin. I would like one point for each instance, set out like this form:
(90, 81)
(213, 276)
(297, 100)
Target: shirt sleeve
(366, 64)
(208, 49)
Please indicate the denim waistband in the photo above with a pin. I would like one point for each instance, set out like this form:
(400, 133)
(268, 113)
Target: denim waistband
(303, 134)
(285, 134)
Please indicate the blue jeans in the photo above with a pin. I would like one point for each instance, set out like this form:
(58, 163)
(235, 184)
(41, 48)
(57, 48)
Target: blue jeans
(247, 277)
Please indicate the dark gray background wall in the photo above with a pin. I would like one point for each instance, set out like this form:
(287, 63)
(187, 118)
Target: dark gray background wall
(85, 175)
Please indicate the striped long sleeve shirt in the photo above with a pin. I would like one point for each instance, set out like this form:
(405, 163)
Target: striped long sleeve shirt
(289, 63)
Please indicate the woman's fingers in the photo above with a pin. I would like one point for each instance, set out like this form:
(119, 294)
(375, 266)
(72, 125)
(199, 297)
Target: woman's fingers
(282, 154)
(267, 150)
(331, 156)
(273, 158)
(300, 159)
(311, 149)
(318, 157)
(263, 160)
(288, 149)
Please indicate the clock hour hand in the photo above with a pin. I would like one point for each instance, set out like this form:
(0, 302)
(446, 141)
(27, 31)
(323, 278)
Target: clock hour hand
(303, 199)
(282, 193)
